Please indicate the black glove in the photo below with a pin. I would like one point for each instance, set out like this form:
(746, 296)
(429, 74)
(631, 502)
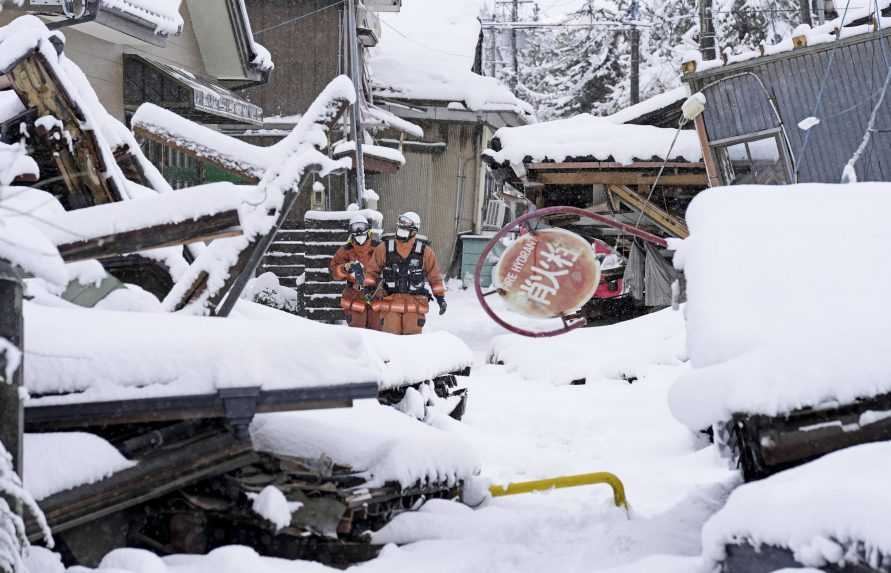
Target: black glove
(440, 300)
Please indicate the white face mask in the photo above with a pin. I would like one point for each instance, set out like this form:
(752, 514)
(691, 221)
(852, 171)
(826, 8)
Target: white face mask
(403, 233)
(360, 239)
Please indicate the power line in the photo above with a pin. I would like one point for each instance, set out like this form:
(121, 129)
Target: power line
(298, 18)
(423, 45)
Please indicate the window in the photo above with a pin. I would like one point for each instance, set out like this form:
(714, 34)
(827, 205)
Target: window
(754, 159)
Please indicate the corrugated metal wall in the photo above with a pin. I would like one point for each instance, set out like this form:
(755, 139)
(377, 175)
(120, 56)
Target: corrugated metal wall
(739, 106)
(429, 183)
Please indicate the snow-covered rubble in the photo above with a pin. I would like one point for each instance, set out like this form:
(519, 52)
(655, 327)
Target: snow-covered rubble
(586, 136)
(786, 296)
(378, 441)
(163, 14)
(56, 462)
(820, 511)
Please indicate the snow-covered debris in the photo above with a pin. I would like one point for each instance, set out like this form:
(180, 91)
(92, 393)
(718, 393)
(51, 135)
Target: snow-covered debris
(618, 351)
(782, 312)
(63, 226)
(162, 14)
(410, 359)
(15, 163)
(833, 511)
(586, 136)
(28, 33)
(132, 355)
(56, 462)
(13, 537)
(345, 216)
(272, 505)
(378, 441)
(25, 246)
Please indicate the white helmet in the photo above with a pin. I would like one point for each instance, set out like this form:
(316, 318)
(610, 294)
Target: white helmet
(359, 228)
(408, 225)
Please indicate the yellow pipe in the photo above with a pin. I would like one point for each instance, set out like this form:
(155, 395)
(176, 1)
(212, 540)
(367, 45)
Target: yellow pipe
(566, 481)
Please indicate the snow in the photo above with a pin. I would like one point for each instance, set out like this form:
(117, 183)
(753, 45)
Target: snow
(25, 246)
(15, 163)
(772, 322)
(817, 510)
(596, 353)
(118, 356)
(808, 122)
(272, 505)
(141, 212)
(380, 151)
(377, 441)
(12, 358)
(162, 14)
(426, 52)
(85, 458)
(650, 105)
(586, 136)
(369, 214)
(415, 358)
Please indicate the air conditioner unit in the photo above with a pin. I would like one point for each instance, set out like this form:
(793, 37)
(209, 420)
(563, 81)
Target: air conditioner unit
(496, 209)
(368, 26)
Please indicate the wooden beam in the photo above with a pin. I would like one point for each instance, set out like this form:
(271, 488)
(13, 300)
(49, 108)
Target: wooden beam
(80, 161)
(666, 221)
(577, 165)
(207, 228)
(619, 178)
(708, 153)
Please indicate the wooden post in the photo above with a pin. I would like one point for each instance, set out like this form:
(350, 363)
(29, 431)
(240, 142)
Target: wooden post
(11, 328)
(708, 155)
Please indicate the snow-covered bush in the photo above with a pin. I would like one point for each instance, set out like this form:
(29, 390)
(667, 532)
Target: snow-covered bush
(266, 290)
(13, 540)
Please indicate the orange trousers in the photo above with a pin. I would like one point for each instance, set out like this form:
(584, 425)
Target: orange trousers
(402, 313)
(358, 313)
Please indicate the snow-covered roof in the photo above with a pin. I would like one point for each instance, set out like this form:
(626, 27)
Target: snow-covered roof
(586, 137)
(163, 15)
(428, 81)
(426, 52)
(783, 310)
(378, 441)
(822, 34)
(650, 105)
(822, 511)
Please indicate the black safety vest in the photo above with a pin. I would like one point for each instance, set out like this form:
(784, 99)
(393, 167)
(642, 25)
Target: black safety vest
(405, 276)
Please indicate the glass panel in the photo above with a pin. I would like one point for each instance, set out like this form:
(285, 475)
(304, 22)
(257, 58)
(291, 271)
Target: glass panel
(755, 162)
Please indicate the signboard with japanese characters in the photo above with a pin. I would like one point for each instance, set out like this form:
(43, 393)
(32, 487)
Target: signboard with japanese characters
(547, 274)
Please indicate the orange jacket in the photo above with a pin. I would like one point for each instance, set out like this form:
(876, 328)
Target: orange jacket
(346, 256)
(403, 249)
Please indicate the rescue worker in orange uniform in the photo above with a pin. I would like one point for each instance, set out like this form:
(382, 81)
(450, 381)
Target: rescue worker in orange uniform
(398, 270)
(349, 264)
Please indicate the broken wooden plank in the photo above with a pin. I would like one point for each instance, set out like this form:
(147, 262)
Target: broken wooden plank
(75, 149)
(666, 221)
(618, 178)
(207, 228)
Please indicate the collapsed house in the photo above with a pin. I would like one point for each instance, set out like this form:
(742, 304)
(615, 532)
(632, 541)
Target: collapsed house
(787, 371)
(796, 111)
(145, 353)
(640, 175)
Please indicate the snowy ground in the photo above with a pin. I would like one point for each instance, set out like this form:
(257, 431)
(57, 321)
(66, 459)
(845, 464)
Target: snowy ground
(528, 428)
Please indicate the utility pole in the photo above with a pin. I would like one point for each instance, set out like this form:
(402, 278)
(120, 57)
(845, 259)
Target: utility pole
(355, 120)
(706, 30)
(635, 52)
(804, 10)
(12, 416)
(514, 17)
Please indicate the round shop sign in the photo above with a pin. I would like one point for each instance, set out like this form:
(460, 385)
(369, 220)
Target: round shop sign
(547, 274)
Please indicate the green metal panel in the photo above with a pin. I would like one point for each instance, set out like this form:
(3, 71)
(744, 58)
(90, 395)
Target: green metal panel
(471, 249)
